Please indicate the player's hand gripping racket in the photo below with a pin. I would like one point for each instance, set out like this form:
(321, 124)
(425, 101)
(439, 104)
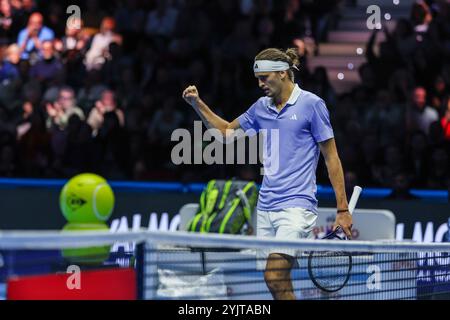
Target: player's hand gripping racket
(330, 270)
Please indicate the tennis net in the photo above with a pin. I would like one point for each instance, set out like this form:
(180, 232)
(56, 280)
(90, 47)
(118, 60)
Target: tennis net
(179, 265)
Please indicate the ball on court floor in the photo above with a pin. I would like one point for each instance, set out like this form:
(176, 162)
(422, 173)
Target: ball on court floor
(86, 198)
(90, 255)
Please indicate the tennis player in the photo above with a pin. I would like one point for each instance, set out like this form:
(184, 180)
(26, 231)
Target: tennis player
(287, 204)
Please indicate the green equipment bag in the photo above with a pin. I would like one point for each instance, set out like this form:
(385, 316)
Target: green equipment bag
(225, 207)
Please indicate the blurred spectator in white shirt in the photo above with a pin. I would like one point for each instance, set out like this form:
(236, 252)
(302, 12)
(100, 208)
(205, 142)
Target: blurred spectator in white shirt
(98, 52)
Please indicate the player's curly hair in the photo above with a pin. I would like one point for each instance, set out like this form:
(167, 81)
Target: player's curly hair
(290, 56)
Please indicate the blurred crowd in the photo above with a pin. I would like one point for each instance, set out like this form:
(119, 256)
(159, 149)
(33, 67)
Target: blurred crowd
(393, 129)
(102, 92)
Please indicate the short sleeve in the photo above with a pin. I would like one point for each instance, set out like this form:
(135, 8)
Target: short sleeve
(320, 122)
(248, 120)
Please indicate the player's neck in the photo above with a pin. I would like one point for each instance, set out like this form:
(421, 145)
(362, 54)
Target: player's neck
(281, 100)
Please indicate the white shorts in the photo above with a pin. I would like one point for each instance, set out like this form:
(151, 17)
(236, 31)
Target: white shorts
(287, 224)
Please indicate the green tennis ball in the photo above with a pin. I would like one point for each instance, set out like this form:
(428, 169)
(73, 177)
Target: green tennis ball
(90, 255)
(86, 198)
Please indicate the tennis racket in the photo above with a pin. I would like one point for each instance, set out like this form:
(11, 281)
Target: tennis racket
(330, 270)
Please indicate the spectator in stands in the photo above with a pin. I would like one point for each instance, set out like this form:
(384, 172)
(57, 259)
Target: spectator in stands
(394, 163)
(322, 15)
(8, 71)
(425, 65)
(111, 147)
(438, 171)
(400, 84)
(381, 65)
(303, 73)
(20, 17)
(13, 54)
(400, 188)
(384, 117)
(130, 18)
(34, 151)
(290, 22)
(56, 17)
(61, 110)
(421, 16)
(445, 121)
(438, 93)
(23, 120)
(106, 104)
(320, 84)
(48, 67)
(419, 115)
(197, 41)
(31, 38)
(8, 23)
(162, 20)
(371, 152)
(98, 52)
(164, 122)
(241, 43)
(91, 91)
(71, 48)
(113, 67)
(28, 6)
(10, 83)
(436, 135)
(404, 39)
(418, 157)
(266, 31)
(93, 15)
(78, 147)
(74, 41)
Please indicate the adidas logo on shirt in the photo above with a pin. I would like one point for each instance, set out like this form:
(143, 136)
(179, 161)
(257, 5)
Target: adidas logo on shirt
(294, 117)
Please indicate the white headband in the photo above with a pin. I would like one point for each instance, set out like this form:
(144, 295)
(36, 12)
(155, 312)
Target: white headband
(270, 66)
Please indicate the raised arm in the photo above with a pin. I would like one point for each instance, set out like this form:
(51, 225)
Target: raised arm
(209, 118)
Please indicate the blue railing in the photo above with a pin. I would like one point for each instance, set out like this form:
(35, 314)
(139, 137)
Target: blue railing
(322, 191)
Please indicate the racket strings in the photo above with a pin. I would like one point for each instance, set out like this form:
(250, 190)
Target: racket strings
(330, 270)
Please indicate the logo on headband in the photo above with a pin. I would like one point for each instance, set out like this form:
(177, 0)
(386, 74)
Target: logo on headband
(256, 66)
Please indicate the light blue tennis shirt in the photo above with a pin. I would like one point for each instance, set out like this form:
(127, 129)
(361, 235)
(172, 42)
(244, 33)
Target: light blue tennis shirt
(291, 148)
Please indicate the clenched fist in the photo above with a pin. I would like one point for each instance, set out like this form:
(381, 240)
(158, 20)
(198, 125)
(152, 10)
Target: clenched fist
(190, 95)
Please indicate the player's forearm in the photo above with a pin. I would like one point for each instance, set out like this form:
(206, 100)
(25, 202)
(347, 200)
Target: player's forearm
(209, 118)
(336, 175)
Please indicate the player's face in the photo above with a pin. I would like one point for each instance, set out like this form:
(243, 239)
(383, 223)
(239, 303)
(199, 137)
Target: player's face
(269, 82)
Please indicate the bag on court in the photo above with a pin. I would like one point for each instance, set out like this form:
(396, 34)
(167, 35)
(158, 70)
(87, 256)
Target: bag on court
(225, 207)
